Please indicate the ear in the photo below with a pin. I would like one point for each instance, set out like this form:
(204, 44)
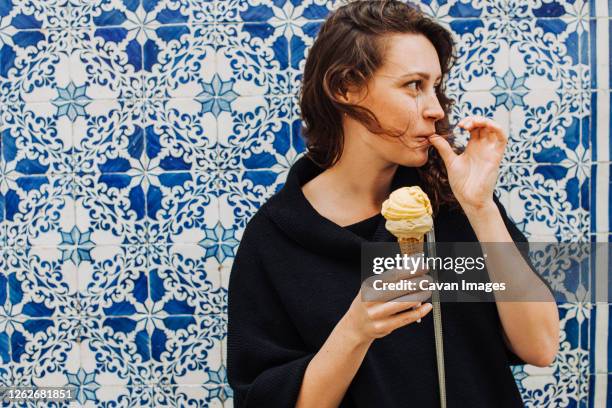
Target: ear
(342, 94)
(351, 94)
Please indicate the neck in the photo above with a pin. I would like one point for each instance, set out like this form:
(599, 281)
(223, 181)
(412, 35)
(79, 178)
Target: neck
(360, 177)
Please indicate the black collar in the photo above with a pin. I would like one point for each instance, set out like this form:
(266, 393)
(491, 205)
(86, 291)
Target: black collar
(294, 215)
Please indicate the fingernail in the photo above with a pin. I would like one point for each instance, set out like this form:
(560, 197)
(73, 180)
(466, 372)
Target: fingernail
(427, 307)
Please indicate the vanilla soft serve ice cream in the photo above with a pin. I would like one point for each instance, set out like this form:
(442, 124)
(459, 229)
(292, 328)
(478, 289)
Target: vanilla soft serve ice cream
(408, 213)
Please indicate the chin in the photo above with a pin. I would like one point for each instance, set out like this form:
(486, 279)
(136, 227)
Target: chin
(414, 159)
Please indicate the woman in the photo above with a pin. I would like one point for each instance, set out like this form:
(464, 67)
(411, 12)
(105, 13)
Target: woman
(373, 106)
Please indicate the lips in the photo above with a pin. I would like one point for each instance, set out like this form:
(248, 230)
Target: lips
(422, 141)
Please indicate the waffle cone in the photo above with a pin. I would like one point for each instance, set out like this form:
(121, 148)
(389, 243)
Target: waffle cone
(411, 246)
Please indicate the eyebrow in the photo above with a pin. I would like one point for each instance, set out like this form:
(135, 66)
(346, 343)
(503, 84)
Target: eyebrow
(419, 73)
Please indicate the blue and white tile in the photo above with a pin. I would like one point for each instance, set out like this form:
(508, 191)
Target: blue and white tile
(600, 125)
(229, 246)
(252, 59)
(256, 134)
(146, 14)
(566, 270)
(485, 104)
(278, 13)
(192, 395)
(37, 139)
(300, 43)
(35, 64)
(221, 377)
(545, 200)
(116, 350)
(114, 281)
(4, 184)
(298, 143)
(128, 102)
(187, 349)
(38, 351)
(600, 8)
(28, 14)
(2, 223)
(574, 315)
(109, 137)
(37, 283)
(111, 207)
(572, 14)
(483, 58)
(556, 132)
(182, 133)
(181, 62)
(196, 11)
(546, 127)
(185, 278)
(544, 54)
(585, 61)
(600, 358)
(107, 63)
(599, 325)
(108, 56)
(600, 390)
(241, 193)
(586, 120)
(600, 190)
(446, 10)
(567, 9)
(285, 21)
(92, 394)
(179, 204)
(39, 209)
(599, 53)
(551, 390)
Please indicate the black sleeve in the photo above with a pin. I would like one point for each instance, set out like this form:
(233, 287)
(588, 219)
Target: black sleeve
(266, 358)
(517, 236)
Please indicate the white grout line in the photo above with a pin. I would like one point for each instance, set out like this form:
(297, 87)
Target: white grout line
(603, 82)
(600, 384)
(600, 392)
(602, 52)
(601, 8)
(603, 125)
(601, 197)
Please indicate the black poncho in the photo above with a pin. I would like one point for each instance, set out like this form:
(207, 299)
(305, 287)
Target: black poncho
(296, 274)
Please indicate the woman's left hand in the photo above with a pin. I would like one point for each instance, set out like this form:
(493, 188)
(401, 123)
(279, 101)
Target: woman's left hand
(472, 175)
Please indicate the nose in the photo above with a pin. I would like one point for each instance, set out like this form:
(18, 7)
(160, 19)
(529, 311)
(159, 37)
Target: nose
(432, 108)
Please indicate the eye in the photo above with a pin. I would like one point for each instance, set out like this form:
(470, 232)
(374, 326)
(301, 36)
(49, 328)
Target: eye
(417, 82)
(419, 85)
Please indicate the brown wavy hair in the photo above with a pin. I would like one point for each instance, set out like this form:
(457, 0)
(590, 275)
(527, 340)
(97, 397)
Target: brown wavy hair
(347, 51)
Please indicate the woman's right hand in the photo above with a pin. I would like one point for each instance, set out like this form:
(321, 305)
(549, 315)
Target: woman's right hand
(371, 319)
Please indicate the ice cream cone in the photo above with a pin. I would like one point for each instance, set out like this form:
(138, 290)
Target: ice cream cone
(411, 246)
(408, 214)
(409, 217)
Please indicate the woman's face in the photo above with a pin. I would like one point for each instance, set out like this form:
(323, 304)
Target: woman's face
(402, 95)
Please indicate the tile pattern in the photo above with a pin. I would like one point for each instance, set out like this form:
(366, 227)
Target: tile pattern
(137, 138)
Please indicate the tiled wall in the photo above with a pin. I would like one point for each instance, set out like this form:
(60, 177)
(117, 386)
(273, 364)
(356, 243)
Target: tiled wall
(139, 136)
